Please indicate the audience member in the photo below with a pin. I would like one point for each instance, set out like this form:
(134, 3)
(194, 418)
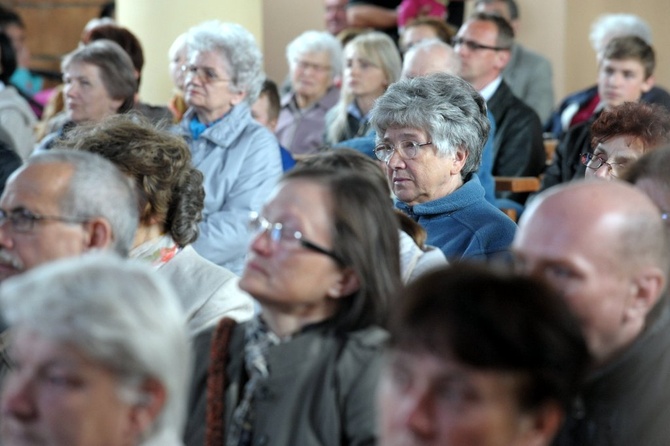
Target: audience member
(27, 83)
(131, 45)
(266, 111)
(650, 175)
(62, 204)
(372, 63)
(424, 28)
(625, 72)
(431, 131)
(237, 155)
(478, 357)
(17, 119)
(315, 62)
(434, 56)
(171, 199)
(624, 134)
(101, 356)
(580, 106)
(603, 245)
(178, 56)
(323, 268)
(416, 258)
(528, 74)
(99, 81)
(484, 43)
(335, 15)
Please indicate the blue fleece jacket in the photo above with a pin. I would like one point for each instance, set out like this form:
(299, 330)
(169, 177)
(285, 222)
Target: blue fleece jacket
(463, 224)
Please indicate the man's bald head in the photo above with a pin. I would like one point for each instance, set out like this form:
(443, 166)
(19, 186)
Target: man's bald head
(604, 247)
(428, 57)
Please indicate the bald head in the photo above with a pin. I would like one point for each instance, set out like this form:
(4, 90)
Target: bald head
(428, 57)
(604, 247)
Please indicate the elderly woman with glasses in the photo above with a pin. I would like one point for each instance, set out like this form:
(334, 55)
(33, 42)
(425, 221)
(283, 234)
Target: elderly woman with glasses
(431, 131)
(623, 134)
(323, 265)
(315, 62)
(239, 158)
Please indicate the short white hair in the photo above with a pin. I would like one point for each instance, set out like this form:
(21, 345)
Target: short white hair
(316, 42)
(608, 26)
(119, 313)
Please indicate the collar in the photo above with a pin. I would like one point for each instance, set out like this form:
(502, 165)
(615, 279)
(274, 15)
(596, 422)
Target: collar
(491, 88)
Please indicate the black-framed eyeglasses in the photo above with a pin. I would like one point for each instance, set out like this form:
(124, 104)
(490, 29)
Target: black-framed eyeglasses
(22, 220)
(595, 162)
(406, 149)
(475, 46)
(280, 234)
(206, 74)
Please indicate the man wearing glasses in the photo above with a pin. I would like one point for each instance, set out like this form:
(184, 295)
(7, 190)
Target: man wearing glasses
(62, 204)
(430, 134)
(483, 44)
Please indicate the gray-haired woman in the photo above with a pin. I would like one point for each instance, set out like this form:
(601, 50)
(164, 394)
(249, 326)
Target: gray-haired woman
(315, 61)
(239, 158)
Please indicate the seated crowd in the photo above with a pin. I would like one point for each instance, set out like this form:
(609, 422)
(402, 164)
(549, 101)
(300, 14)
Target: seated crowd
(328, 262)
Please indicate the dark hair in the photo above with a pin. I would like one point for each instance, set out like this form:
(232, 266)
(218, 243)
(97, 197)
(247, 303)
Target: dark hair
(631, 47)
(7, 58)
(269, 89)
(505, 37)
(365, 237)
(108, 9)
(126, 40)
(347, 159)
(512, 7)
(650, 123)
(10, 17)
(169, 187)
(498, 322)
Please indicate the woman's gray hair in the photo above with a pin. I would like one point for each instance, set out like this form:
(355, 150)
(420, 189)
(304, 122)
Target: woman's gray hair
(117, 71)
(316, 42)
(238, 48)
(97, 189)
(608, 26)
(119, 313)
(448, 108)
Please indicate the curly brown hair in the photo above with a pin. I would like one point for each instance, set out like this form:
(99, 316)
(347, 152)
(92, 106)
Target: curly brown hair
(650, 123)
(169, 187)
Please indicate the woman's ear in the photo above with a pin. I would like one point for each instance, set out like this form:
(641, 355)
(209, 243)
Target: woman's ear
(347, 284)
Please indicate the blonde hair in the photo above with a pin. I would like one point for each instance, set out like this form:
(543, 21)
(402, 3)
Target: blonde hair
(379, 49)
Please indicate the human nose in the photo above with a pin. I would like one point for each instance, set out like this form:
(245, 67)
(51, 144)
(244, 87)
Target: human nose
(416, 413)
(395, 161)
(603, 172)
(261, 242)
(18, 397)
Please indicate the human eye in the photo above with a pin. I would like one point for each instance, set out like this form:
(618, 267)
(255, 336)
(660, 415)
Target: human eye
(350, 63)
(400, 375)
(365, 64)
(210, 74)
(61, 378)
(559, 272)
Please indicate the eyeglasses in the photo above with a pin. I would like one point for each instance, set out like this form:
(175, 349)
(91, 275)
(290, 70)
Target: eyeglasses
(474, 46)
(596, 162)
(304, 66)
(281, 234)
(22, 220)
(206, 74)
(406, 149)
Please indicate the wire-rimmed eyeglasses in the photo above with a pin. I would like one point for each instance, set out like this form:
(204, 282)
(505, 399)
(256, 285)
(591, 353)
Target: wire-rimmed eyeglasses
(22, 220)
(406, 149)
(281, 234)
(595, 162)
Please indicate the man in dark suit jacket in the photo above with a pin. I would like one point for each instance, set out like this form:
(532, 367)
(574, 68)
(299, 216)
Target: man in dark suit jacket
(483, 44)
